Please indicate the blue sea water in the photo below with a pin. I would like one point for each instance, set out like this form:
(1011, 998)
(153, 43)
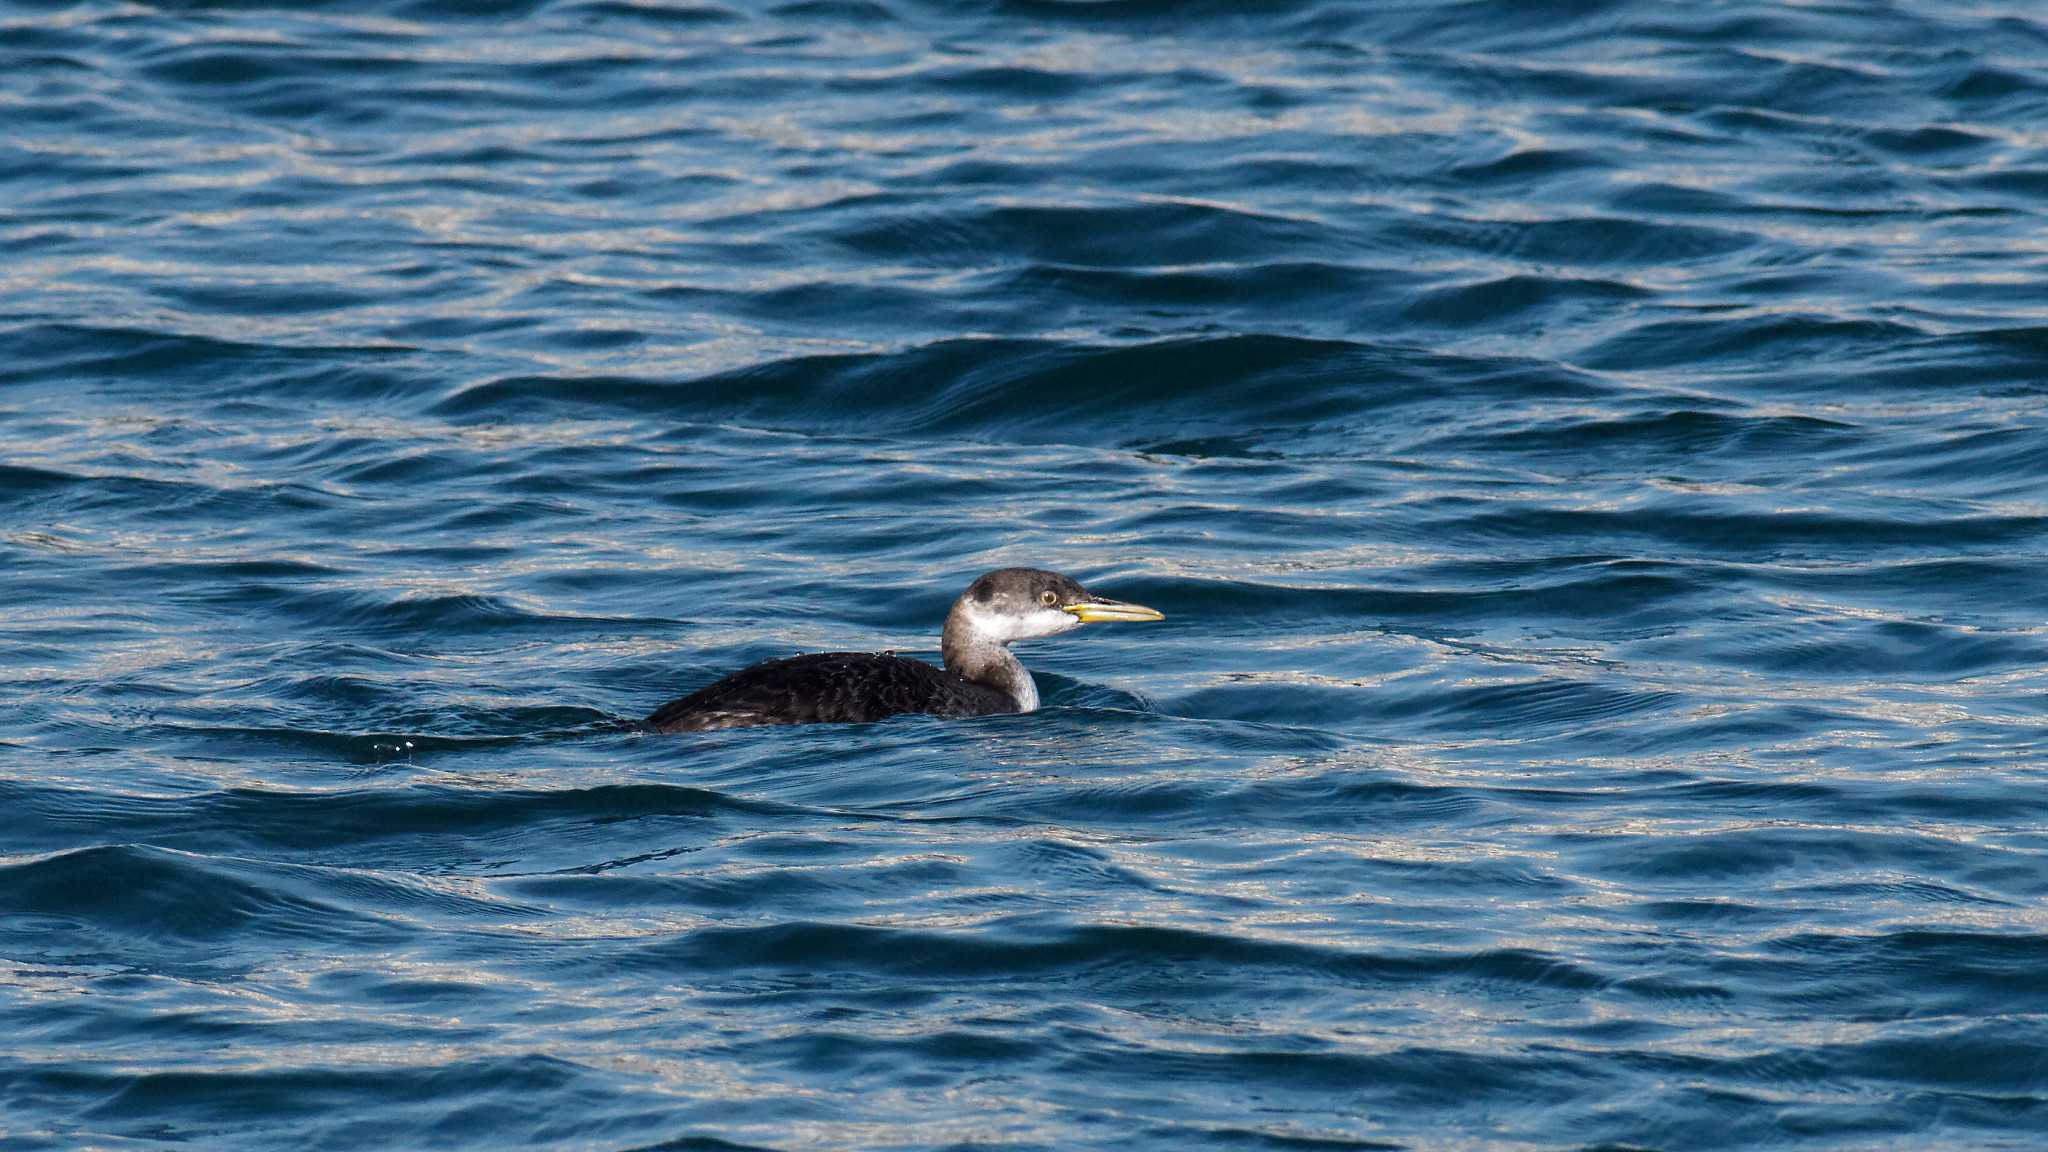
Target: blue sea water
(1592, 458)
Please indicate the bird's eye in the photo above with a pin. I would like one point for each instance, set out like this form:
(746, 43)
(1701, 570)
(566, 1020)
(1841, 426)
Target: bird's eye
(1048, 597)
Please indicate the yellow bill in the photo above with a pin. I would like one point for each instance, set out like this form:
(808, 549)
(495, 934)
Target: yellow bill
(1100, 611)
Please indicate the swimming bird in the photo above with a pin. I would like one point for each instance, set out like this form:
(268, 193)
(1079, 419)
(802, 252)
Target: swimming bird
(981, 676)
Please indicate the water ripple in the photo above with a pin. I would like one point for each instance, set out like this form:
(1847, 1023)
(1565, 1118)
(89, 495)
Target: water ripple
(1590, 458)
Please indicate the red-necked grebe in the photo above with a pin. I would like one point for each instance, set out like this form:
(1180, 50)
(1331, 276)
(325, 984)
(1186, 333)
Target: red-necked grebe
(981, 676)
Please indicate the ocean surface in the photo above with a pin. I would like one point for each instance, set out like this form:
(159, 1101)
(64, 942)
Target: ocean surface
(1592, 457)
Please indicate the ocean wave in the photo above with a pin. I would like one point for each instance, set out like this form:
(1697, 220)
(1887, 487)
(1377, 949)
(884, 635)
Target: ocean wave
(1589, 457)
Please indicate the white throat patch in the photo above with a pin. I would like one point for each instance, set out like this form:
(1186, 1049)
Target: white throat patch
(1004, 628)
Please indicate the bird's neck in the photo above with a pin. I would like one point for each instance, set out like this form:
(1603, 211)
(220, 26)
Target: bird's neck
(973, 655)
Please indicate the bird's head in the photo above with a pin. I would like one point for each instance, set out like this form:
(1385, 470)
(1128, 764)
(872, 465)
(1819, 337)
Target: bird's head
(1025, 603)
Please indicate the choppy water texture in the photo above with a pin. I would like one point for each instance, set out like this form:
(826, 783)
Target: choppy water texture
(1591, 457)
